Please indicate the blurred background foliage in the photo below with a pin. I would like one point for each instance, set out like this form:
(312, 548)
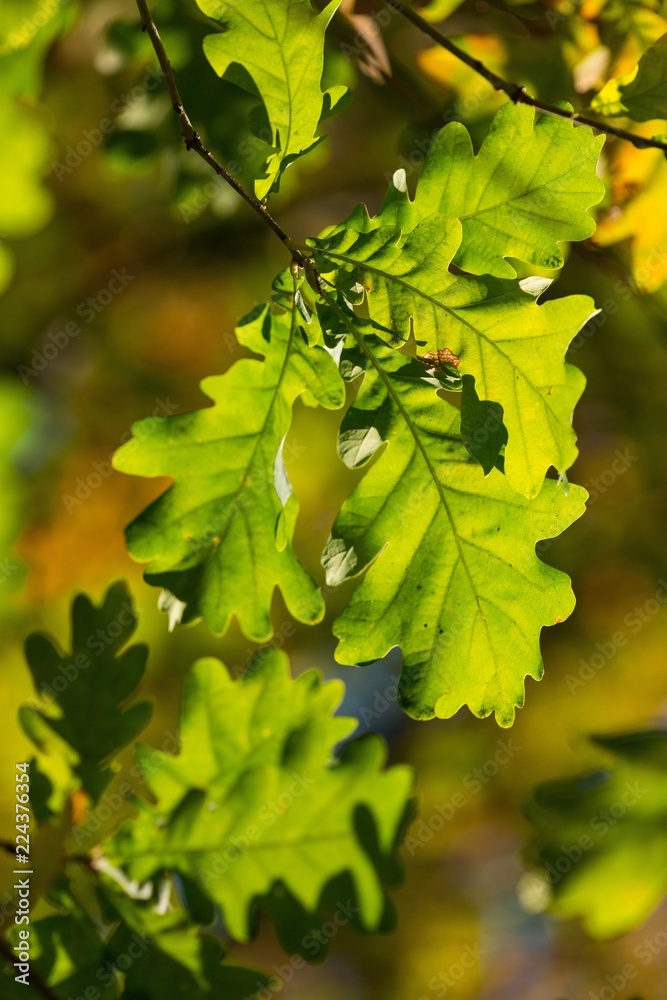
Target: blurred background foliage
(95, 181)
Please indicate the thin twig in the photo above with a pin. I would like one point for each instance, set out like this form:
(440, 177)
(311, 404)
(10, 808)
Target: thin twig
(193, 141)
(35, 980)
(516, 93)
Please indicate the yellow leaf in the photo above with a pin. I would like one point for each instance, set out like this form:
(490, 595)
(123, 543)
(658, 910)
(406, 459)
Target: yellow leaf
(639, 179)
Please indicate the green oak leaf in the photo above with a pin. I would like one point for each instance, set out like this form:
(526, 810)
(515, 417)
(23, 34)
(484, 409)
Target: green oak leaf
(86, 690)
(452, 576)
(27, 30)
(601, 837)
(186, 966)
(66, 953)
(514, 348)
(278, 49)
(220, 538)
(171, 957)
(642, 95)
(528, 189)
(158, 955)
(255, 799)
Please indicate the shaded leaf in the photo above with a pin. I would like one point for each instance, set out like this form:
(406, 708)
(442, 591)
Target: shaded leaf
(172, 958)
(139, 955)
(86, 689)
(600, 843)
(66, 954)
(482, 429)
(642, 95)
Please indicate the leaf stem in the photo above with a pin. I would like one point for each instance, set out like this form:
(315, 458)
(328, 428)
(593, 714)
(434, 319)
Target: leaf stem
(514, 91)
(193, 141)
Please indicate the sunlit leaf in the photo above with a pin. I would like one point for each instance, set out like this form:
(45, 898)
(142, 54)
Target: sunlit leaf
(451, 571)
(27, 29)
(527, 190)
(279, 47)
(642, 95)
(601, 841)
(220, 538)
(254, 798)
(514, 347)
(636, 216)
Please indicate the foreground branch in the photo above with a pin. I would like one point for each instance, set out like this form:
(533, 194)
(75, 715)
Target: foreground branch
(516, 93)
(193, 141)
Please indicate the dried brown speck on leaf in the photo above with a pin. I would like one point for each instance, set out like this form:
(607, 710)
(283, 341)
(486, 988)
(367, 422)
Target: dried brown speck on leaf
(436, 360)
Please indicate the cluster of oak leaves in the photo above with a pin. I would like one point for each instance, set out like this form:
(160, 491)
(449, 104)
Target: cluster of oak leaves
(463, 404)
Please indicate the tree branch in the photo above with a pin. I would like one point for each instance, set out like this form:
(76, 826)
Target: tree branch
(516, 93)
(193, 141)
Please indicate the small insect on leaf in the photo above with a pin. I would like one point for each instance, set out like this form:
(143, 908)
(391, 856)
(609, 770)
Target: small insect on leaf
(436, 360)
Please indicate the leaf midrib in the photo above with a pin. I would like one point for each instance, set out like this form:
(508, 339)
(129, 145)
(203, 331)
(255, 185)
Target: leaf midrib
(415, 434)
(525, 194)
(260, 435)
(261, 845)
(450, 312)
